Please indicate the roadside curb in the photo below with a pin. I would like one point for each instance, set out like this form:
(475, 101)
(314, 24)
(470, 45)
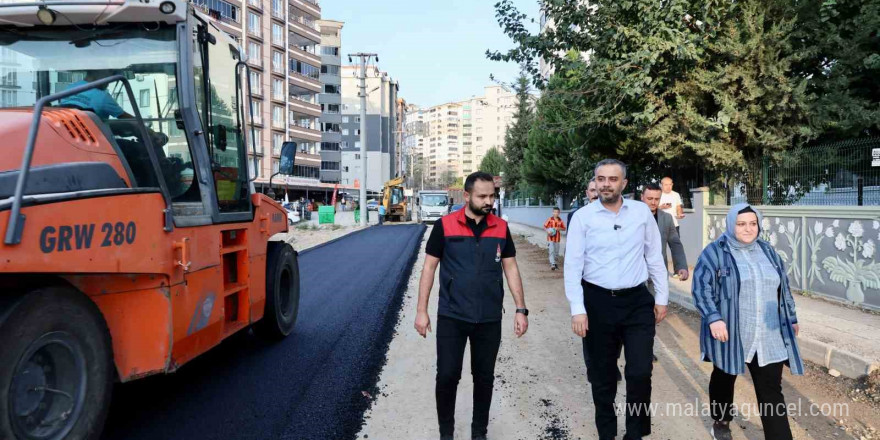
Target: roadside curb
(320, 245)
(848, 364)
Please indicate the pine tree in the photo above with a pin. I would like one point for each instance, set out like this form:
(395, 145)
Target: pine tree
(516, 137)
(493, 162)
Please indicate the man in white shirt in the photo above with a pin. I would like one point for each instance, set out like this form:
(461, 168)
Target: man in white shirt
(670, 202)
(613, 248)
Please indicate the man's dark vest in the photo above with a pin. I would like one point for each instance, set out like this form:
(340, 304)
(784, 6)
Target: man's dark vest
(471, 282)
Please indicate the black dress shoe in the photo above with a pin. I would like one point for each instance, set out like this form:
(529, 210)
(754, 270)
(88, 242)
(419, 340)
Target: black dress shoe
(447, 437)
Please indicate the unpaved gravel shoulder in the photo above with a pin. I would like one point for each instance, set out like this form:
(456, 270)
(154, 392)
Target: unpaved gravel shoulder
(306, 236)
(541, 390)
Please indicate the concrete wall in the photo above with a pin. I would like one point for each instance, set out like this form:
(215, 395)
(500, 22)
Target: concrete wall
(531, 215)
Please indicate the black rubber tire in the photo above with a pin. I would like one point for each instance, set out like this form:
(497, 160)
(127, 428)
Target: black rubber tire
(49, 311)
(282, 292)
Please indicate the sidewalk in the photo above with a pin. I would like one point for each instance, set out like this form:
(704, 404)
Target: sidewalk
(831, 335)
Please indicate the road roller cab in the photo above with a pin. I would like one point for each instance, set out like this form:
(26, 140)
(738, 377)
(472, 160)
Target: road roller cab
(133, 239)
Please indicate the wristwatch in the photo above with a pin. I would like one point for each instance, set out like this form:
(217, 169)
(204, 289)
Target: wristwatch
(523, 311)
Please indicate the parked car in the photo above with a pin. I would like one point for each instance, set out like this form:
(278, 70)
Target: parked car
(456, 207)
(372, 205)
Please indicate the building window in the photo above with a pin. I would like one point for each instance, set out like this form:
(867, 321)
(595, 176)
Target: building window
(277, 62)
(254, 51)
(144, 98)
(275, 166)
(277, 89)
(329, 146)
(222, 8)
(277, 34)
(329, 68)
(345, 119)
(330, 50)
(328, 165)
(256, 80)
(277, 116)
(305, 69)
(332, 128)
(305, 171)
(257, 108)
(330, 88)
(254, 24)
(345, 132)
(256, 140)
(278, 8)
(277, 141)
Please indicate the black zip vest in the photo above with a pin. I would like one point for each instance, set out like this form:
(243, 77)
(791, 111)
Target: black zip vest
(471, 276)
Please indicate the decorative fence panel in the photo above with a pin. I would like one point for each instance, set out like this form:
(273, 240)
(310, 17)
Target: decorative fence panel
(828, 251)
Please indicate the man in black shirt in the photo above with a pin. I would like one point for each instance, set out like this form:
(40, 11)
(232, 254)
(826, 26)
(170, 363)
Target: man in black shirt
(475, 251)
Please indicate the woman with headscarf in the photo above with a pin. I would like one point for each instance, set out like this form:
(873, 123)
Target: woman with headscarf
(748, 320)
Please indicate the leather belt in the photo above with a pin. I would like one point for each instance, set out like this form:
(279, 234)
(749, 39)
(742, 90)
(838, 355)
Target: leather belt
(614, 292)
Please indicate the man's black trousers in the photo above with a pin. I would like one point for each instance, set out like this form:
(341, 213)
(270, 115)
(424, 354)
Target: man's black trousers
(452, 335)
(613, 319)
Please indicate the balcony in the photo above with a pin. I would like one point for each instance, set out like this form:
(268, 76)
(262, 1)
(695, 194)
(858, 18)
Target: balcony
(305, 31)
(308, 134)
(310, 6)
(304, 107)
(304, 56)
(304, 82)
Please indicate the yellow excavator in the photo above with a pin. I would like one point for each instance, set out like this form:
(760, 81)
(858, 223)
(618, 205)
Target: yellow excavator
(394, 200)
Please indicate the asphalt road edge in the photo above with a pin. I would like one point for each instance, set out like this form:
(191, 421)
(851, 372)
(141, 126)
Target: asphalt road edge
(328, 242)
(391, 319)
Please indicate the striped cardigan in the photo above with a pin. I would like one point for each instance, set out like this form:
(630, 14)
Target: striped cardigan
(716, 296)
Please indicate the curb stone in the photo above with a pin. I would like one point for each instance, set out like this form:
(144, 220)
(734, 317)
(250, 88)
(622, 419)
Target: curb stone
(849, 364)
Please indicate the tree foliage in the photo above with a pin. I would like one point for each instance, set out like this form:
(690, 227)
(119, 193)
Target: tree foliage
(493, 162)
(711, 84)
(516, 137)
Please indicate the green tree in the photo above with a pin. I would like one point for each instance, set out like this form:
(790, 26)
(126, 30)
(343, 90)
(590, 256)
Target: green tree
(840, 55)
(493, 162)
(447, 179)
(705, 83)
(516, 137)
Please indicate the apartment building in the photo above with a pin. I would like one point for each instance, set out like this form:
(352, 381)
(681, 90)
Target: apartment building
(381, 123)
(330, 100)
(280, 39)
(459, 134)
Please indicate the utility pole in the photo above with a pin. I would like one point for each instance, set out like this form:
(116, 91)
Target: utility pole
(362, 75)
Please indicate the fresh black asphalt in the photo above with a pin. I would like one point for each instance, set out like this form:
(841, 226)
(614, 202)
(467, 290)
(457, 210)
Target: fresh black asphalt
(308, 386)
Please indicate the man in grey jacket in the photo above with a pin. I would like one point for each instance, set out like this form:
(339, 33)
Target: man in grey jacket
(668, 234)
